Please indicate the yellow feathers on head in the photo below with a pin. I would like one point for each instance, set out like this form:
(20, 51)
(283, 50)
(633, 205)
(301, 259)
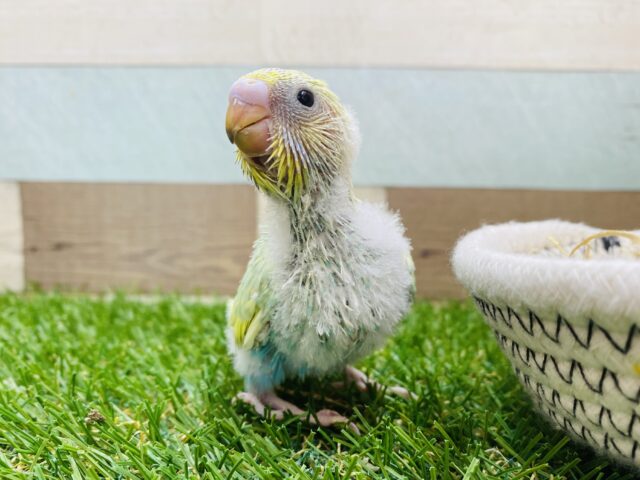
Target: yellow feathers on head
(291, 130)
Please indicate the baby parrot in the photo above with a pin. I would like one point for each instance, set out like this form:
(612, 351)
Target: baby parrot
(330, 276)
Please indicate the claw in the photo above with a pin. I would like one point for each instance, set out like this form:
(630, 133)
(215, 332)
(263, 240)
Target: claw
(259, 407)
(328, 418)
(402, 393)
(279, 406)
(362, 383)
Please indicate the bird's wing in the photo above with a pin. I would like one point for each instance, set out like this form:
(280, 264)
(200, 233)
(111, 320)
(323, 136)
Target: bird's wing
(249, 310)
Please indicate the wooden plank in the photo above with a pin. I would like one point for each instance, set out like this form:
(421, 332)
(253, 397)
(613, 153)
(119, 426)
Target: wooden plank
(371, 194)
(197, 238)
(435, 218)
(11, 240)
(529, 34)
(138, 237)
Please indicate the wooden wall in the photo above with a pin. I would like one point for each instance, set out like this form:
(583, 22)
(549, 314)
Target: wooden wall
(95, 237)
(504, 34)
(435, 218)
(115, 171)
(197, 238)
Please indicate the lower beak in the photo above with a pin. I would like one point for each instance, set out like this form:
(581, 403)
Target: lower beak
(248, 126)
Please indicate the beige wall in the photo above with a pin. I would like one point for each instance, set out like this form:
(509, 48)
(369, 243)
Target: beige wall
(11, 242)
(504, 34)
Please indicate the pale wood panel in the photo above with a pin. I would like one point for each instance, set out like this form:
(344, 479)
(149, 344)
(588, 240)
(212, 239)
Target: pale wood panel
(546, 34)
(371, 194)
(97, 237)
(195, 238)
(435, 218)
(11, 241)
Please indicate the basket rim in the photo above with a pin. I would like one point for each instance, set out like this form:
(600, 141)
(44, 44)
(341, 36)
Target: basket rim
(490, 262)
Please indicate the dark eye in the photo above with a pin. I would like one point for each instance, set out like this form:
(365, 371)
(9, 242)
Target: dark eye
(305, 97)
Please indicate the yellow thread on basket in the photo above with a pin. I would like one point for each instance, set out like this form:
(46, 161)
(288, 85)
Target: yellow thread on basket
(586, 242)
(606, 233)
(558, 245)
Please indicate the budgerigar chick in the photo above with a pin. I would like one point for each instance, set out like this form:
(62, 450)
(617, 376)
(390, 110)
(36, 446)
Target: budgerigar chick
(330, 276)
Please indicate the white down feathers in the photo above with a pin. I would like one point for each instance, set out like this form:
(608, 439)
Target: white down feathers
(338, 294)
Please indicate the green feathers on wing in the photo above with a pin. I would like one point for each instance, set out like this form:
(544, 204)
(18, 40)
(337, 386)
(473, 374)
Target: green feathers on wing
(248, 312)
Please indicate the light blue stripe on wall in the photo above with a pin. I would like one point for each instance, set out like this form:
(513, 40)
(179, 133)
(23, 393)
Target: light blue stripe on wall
(420, 127)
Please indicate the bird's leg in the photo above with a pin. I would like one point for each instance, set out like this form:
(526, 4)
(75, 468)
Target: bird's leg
(363, 383)
(279, 406)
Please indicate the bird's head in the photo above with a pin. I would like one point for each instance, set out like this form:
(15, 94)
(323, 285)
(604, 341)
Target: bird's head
(292, 133)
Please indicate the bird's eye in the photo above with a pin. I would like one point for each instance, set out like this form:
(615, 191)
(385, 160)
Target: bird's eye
(305, 97)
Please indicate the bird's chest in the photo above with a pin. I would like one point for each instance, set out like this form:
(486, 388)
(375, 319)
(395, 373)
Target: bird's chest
(338, 288)
(327, 305)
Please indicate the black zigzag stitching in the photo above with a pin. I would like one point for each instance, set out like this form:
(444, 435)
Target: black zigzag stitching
(568, 378)
(482, 305)
(541, 366)
(583, 343)
(587, 431)
(624, 432)
(610, 441)
(568, 426)
(556, 335)
(516, 348)
(633, 420)
(635, 398)
(540, 391)
(598, 387)
(627, 344)
(495, 313)
(510, 316)
(577, 402)
(556, 402)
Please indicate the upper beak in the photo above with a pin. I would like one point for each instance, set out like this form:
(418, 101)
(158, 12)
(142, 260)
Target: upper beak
(248, 121)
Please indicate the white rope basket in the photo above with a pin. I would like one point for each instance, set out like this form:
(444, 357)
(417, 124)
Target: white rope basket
(568, 324)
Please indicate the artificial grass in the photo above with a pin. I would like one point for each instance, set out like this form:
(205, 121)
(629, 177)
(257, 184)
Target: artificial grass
(118, 388)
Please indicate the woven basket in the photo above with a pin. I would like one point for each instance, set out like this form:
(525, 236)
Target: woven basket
(569, 325)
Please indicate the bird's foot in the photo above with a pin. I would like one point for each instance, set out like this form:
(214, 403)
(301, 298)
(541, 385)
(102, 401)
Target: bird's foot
(364, 383)
(270, 404)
